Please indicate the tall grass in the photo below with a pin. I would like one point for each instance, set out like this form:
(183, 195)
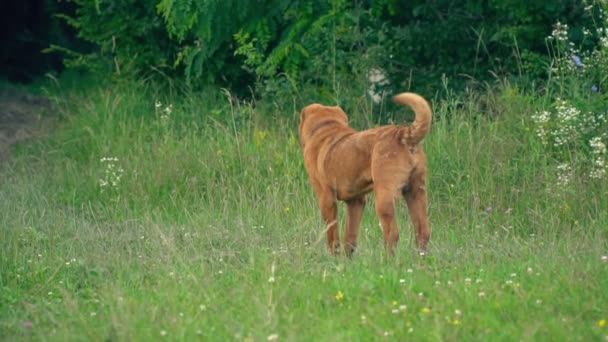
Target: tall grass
(212, 232)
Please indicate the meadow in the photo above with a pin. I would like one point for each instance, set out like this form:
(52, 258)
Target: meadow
(148, 215)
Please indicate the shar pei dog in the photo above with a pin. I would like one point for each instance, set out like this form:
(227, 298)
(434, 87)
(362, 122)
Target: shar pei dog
(345, 164)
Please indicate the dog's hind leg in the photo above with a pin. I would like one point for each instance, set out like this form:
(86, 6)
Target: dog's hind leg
(329, 212)
(385, 208)
(416, 199)
(354, 210)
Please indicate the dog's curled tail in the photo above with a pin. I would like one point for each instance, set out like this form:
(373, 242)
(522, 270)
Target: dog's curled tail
(422, 123)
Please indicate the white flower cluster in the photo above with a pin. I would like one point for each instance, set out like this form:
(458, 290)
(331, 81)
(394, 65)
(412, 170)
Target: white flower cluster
(559, 33)
(164, 112)
(567, 126)
(566, 129)
(112, 173)
(598, 149)
(564, 174)
(563, 130)
(598, 146)
(542, 121)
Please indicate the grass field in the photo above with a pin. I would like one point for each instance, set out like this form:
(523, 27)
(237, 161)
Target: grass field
(189, 217)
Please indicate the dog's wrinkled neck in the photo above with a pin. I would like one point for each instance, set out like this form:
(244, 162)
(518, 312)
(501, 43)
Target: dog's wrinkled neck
(321, 124)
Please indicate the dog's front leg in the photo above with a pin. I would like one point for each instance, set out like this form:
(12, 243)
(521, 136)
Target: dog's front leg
(354, 210)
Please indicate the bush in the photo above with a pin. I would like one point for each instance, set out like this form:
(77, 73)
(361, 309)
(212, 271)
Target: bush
(131, 39)
(326, 44)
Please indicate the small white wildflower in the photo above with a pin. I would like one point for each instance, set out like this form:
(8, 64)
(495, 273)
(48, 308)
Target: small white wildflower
(597, 146)
(481, 294)
(539, 302)
(605, 258)
(458, 312)
(467, 281)
(560, 32)
(112, 172)
(604, 42)
(564, 174)
(163, 333)
(513, 275)
(401, 281)
(402, 307)
(409, 270)
(273, 337)
(395, 311)
(271, 280)
(598, 170)
(93, 314)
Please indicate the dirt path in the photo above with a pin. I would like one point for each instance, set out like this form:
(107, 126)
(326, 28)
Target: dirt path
(22, 116)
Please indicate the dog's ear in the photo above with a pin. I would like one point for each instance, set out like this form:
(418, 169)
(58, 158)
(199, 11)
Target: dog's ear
(341, 115)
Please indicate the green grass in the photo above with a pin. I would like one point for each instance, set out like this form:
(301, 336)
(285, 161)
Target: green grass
(214, 198)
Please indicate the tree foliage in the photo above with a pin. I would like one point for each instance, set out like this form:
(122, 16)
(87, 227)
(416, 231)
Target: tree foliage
(236, 43)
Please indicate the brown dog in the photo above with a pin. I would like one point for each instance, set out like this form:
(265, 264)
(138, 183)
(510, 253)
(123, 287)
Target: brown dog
(344, 164)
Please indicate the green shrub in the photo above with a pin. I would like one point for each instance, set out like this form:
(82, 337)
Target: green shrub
(239, 44)
(131, 39)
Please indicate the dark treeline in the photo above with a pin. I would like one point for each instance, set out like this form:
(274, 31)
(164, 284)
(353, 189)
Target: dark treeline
(29, 27)
(264, 45)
